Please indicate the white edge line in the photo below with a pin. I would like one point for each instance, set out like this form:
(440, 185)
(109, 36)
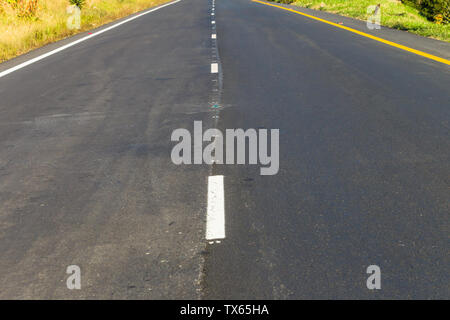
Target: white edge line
(215, 217)
(45, 55)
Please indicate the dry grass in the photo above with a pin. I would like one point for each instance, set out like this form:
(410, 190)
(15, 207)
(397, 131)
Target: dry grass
(22, 30)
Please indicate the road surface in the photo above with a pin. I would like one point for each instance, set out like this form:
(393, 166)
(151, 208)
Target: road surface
(86, 176)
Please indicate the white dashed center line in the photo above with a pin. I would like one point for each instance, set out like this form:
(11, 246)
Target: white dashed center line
(214, 67)
(215, 219)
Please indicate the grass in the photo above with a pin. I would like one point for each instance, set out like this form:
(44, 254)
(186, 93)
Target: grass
(394, 14)
(20, 33)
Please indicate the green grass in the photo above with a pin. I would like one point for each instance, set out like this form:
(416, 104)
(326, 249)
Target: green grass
(394, 14)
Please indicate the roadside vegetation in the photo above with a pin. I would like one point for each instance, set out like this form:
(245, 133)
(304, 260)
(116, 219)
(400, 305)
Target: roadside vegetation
(28, 24)
(429, 18)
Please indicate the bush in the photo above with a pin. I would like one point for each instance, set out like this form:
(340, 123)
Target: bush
(434, 10)
(78, 3)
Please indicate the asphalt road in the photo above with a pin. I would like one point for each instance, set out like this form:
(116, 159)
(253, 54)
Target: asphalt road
(86, 176)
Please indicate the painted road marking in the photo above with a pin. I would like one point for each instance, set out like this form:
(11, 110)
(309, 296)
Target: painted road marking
(393, 44)
(215, 217)
(27, 63)
(213, 22)
(213, 36)
(214, 67)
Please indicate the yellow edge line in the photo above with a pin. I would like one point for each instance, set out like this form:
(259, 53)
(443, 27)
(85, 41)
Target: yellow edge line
(418, 52)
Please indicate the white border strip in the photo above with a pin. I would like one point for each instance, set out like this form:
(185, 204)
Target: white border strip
(215, 217)
(27, 63)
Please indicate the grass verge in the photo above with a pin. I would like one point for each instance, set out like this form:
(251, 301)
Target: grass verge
(394, 14)
(47, 22)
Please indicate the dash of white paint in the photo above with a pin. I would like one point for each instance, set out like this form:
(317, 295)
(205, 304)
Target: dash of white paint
(213, 22)
(212, 13)
(45, 55)
(214, 68)
(215, 218)
(213, 36)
